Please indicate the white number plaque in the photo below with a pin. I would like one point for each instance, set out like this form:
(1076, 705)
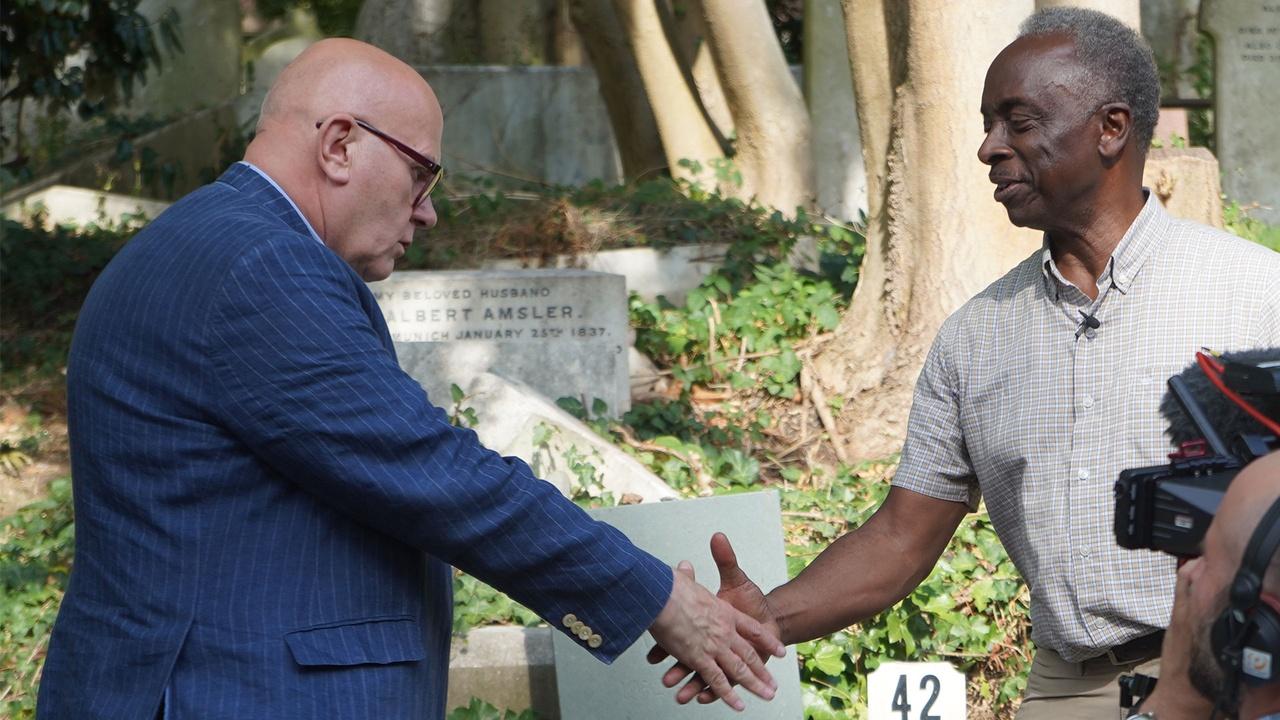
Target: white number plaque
(916, 691)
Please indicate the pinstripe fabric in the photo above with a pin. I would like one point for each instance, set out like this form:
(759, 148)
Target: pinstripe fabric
(1013, 407)
(256, 481)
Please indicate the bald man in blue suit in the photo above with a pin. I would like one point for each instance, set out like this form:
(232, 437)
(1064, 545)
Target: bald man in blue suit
(266, 505)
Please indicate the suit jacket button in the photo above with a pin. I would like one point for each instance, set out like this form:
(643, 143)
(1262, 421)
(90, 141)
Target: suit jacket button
(594, 641)
(584, 632)
(570, 620)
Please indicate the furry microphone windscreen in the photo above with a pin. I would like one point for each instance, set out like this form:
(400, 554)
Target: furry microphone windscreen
(1228, 419)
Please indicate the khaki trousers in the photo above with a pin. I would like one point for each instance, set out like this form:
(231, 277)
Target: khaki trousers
(1061, 690)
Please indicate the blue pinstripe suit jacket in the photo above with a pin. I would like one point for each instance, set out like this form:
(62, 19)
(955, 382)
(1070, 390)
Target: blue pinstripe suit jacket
(256, 482)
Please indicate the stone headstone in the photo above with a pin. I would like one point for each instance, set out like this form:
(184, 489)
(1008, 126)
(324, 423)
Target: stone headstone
(1246, 94)
(1186, 182)
(839, 171)
(67, 205)
(206, 73)
(562, 332)
(511, 668)
(547, 124)
(629, 689)
(513, 419)
(650, 272)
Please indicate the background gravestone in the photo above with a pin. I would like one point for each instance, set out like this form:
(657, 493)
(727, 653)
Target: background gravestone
(674, 531)
(562, 332)
(839, 171)
(1246, 94)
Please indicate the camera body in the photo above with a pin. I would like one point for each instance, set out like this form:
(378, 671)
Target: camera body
(1169, 507)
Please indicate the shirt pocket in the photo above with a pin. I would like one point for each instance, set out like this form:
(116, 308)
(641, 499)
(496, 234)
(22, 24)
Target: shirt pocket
(1141, 392)
(374, 641)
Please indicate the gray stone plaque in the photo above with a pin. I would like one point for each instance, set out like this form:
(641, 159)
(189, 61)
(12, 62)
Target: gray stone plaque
(1246, 94)
(630, 689)
(562, 332)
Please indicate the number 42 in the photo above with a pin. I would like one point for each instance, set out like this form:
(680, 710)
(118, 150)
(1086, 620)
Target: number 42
(900, 704)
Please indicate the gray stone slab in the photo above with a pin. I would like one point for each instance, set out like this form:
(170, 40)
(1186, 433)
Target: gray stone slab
(511, 668)
(64, 204)
(562, 332)
(510, 415)
(543, 123)
(650, 272)
(680, 530)
(1246, 94)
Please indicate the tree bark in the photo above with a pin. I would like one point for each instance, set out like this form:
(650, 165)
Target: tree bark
(684, 132)
(634, 127)
(935, 237)
(769, 113)
(566, 41)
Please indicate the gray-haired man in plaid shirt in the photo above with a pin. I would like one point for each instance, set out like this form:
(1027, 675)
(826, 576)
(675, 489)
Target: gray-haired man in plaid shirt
(1043, 387)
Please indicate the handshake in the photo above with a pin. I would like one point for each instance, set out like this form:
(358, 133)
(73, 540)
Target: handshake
(717, 641)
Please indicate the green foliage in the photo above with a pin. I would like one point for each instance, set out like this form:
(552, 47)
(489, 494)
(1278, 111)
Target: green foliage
(35, 560)
(480, 710)
(47, 274)
(476, 604)
(117, 44)
(1200, 73)
(335, 17)
(740, 333)
(1238, 221)
(460, 415)
(970, 611)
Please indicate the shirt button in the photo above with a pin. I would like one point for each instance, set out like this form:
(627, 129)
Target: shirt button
(1084, 552)
(1083, 474)
(1087, 401)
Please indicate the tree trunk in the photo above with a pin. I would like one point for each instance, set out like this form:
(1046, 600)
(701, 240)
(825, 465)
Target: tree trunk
(566, 42)
(688, 31)
(935, 237)
(769, 114)
(634, 126)
(685, 133)
(516, 32)
(1127, 11)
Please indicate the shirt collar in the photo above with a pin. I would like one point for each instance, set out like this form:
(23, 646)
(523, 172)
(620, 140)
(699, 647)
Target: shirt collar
(294, 205)
(1146, 233)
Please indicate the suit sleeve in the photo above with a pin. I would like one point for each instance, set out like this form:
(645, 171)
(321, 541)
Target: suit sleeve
(307, 384)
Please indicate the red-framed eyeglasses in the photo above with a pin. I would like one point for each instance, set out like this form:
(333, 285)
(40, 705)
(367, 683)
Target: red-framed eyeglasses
(430, 171)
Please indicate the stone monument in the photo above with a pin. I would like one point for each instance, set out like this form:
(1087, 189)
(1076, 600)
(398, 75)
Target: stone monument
(1246, 94)
(562, 332)
(674, 531)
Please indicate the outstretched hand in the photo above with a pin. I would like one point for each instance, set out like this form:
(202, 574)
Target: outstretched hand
(743, 594)
(712, 638)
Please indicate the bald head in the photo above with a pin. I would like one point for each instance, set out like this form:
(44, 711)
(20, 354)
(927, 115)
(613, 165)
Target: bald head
(1250, 495)
(352, 135)
(344, 75)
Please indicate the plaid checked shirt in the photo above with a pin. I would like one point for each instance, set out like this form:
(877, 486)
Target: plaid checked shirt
(1015, 407)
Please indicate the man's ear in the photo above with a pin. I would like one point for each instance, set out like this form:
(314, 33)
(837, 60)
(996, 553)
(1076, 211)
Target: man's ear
(1117, 130)
(334, 151)
(1271, 599)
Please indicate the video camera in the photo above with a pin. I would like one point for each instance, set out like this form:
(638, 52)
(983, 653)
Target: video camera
(1169, 507)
